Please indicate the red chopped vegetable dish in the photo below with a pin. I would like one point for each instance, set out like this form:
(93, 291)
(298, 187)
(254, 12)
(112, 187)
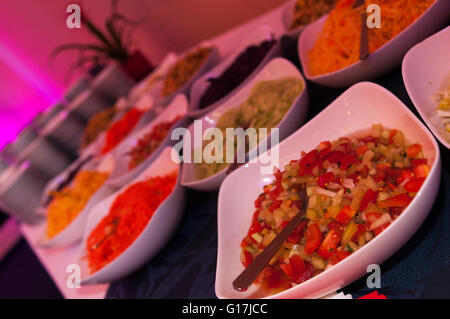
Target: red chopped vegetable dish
(150, 142)
(356, 187)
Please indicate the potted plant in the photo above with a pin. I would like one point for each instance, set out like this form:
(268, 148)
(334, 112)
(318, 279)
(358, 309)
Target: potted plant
(113, 44)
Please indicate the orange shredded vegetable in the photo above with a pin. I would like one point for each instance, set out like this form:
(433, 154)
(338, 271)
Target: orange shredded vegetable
(128, 216)
(338, 43)
(120, 129)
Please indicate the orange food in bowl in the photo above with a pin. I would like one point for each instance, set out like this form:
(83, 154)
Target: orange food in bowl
(128, 216)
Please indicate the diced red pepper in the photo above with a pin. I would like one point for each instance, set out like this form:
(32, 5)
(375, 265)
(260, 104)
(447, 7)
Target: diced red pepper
(345, 215)
(248, 258)
(325, 179)
(413, 185)
(308, 162)
(347, 147)
(347, 161)
(255, 228)
(395, 211)
(329, 244)
(301, 271)
(405, 174)
(391, 186)
(401, 200)
(276, 204)
(369, 197)
(313, 237)
(324, 148)
(297, 264)
(287, 269)
(360, 150)
(336, 226)
(422, 170)
(309, 158)
(383, 169)
(413, 150)
(369, 138)
(379, 229)
(342, 254)
(360, 230)
(391, 135)
(333, 258)
(354, 177)
(297, 233)
(259, 200)
(335, 156)
(418, 161)
(275, 192)
(245, 242)
(364, 172)
(278, 177)
(274, 279)
(302, 171)
(372, 217)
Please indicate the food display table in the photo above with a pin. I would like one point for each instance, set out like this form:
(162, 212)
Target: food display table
(186, 267)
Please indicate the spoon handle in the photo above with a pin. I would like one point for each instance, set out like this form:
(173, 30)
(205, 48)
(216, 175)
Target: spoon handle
(248, 276)
(364, 44)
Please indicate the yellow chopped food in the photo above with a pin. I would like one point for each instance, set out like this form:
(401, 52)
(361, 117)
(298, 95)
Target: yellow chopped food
(97, 124)
(307, 11)
(69, 202)
(183, 70)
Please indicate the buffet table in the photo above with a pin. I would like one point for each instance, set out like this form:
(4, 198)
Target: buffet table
(186, 267)
(55, 261)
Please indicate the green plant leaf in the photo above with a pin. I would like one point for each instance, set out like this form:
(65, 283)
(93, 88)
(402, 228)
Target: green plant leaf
(76, 46)
(96, 32)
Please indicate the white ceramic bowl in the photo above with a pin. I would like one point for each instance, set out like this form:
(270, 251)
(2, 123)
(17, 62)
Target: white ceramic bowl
(73, 232)
(275, 69)
(152, 84)
(121, 174)
(426, 70)
(87, 104)
(356, 109)
(155, 235)
(382, 60)
(287, 12)
(112, 82)
(201, 84)
(210, 61)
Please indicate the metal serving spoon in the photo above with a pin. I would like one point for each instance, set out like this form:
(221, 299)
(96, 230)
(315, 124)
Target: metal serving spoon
(111, 231)
(248, 276)
(364, 41)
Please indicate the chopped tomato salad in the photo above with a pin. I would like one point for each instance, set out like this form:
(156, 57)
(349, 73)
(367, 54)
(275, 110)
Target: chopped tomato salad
(356, 188)
(150, 142)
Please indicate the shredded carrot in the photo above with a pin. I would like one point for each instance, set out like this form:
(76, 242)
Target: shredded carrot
(128, 216)
(339, 41)
(120, 129)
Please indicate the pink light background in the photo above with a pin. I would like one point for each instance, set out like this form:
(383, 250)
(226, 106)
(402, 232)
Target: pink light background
(30, 30)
